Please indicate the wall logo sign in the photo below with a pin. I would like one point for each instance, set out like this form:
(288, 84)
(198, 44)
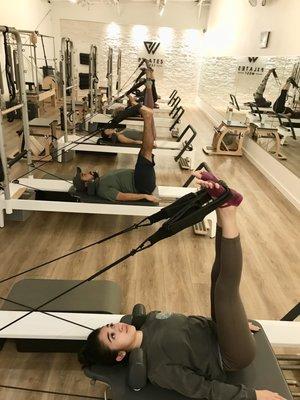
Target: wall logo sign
(252, 59)
(151, 47)
(250, 66)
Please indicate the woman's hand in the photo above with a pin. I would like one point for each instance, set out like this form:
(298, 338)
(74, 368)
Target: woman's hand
(267, 395)
(253, 328)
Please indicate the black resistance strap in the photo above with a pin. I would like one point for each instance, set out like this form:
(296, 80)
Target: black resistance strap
(9, 68)
(186, 211)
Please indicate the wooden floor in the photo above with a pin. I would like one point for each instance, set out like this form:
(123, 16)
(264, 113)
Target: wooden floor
(174, 275)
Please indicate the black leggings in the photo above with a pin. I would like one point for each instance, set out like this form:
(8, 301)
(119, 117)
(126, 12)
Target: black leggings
(279, 105)
(237, 345)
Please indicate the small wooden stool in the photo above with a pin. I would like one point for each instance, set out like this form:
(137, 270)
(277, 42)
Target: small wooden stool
(220, 146)
(265, 131)
(44, 129)
(41, 97)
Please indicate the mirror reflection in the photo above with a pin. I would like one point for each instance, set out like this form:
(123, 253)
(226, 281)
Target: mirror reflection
(262, 92)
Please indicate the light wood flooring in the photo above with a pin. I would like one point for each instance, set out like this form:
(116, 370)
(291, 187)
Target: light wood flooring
(174, 275)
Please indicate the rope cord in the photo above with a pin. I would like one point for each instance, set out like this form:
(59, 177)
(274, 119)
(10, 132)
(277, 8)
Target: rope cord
(81, 396)
(140, 64)
(174, 214)
(56, 153)
(8, 68)
(93, 276)
(132, 227)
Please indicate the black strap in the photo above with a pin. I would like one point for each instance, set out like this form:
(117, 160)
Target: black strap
(9, 68)
(44, 51)
(190, 212)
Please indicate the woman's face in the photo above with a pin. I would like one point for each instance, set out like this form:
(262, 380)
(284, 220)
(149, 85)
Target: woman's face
(118, 336)
(109, 132)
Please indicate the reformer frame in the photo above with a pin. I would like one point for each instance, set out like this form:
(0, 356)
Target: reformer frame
(69, 82)
(22, 105)
(163, 125)
(179, 149)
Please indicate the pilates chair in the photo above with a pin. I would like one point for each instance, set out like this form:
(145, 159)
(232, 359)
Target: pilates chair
(228, 139)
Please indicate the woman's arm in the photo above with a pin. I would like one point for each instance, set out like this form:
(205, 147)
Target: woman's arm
(185, 381)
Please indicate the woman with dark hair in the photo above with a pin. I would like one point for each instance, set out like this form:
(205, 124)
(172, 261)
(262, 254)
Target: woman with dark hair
(125, 136)
(191, 354)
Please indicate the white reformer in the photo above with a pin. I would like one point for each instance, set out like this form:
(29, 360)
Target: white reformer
(182, 151)
(165, 193)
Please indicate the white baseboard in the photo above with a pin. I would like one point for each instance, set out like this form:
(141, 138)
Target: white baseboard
(282, 178)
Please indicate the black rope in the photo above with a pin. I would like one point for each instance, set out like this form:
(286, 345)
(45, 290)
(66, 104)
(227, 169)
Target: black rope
(179, 219)
(132, 227)
(140, 64)
(44, 312)
(55, 153)
(8, 68)
(90, 278)
(51, 392)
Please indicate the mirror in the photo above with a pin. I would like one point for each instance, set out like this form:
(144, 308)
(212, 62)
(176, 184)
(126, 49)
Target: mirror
(242, 76)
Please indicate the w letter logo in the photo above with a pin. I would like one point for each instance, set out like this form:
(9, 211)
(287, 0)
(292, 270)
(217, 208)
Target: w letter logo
(252, 59)
(151, 47)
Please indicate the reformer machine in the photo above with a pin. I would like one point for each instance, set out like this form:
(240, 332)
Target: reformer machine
(35, 322)
(182, 150)
(36, 92)
(15, 104)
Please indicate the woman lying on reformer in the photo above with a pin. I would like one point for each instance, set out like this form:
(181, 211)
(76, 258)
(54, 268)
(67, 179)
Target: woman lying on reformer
(191, 354)
(131, 136)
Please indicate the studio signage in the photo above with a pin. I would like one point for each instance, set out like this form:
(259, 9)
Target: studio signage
(250, 66)
(152, 49)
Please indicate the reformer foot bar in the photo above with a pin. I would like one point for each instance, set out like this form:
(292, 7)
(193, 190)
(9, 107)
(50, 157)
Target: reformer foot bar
(178, 149)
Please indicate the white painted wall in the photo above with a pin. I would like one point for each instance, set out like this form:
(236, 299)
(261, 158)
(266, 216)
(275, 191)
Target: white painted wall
(27, 15)
(234, 28)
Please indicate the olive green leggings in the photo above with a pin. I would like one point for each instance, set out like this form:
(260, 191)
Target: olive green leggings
(236, 342)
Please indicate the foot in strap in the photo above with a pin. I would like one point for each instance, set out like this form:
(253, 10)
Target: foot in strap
(215, 188)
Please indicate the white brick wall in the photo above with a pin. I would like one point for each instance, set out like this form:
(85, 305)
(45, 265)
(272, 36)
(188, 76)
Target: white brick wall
(179, 49)
(218, 77)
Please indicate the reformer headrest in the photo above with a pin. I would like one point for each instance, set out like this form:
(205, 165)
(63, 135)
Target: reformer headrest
(137, 366)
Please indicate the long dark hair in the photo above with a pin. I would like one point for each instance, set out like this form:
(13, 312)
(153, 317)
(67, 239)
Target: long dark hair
(95, 352)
